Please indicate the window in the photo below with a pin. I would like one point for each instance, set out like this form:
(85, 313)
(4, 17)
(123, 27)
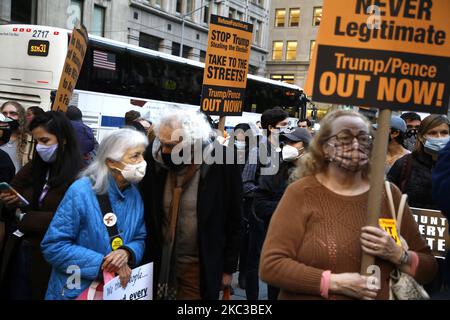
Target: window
(258, 32)
(311, 49)
(294, 17)
(231, 13)
(157, 3)
(98, 25)
(188, 6)
(23, 11)
(239, 15)
(277, 51)
(186, 52)
(105, 69)
(178, 6)
(317, 16)
(287, 78)
(175, 49)
(202, 56)
(291, 50)
(75, 13)
(149, 42)
(279, 17)
(206, 14)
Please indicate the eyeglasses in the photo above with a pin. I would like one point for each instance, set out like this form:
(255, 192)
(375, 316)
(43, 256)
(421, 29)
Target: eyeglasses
(346, 137)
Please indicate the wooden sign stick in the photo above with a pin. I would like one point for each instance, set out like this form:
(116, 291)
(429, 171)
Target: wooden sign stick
(377, 178)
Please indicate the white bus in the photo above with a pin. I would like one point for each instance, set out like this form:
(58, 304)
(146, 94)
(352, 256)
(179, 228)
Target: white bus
(118, 77)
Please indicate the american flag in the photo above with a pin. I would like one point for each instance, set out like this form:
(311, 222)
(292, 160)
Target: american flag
(104, 60)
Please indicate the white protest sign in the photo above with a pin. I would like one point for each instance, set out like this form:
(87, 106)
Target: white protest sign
(138, 288)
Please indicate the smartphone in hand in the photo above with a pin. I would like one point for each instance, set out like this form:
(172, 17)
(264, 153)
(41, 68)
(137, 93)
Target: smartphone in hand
(5, 187)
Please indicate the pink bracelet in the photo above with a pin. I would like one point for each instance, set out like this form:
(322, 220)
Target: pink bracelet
(325, 283)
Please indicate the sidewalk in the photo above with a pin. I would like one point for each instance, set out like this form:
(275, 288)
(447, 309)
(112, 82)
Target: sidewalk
(239, 294)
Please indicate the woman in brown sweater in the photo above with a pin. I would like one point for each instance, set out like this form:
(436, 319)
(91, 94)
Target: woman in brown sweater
(317, 235)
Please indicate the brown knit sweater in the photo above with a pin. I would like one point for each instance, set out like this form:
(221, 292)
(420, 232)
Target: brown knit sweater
(314, 229)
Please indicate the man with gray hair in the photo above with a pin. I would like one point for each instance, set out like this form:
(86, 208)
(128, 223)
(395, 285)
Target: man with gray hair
(193, 211)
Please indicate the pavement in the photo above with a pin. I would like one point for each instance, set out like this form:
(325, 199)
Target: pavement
(239, 294)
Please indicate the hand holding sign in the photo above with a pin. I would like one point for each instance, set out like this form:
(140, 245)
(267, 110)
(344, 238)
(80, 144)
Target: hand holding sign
(115, 260)
(138, 287)
(379, 243)
(124, 275)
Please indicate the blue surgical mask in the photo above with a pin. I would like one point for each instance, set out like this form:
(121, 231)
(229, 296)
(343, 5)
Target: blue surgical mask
(434, 145)
(47, 153)
(240, 145)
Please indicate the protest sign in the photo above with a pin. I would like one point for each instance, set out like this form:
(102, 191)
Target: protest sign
(140, 286)
(433, 226)
(385, 54)
(226, 66)
(72, 66)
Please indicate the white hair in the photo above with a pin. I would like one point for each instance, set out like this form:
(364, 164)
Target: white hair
(113, 147)
(194, 125)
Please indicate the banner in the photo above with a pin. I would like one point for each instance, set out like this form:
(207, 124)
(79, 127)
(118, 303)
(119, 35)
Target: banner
(72, 66)
(226, 66)
(433, 226)
(140, 286)
(383, 54)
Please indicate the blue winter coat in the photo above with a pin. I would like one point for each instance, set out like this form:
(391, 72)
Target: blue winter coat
(77, 240)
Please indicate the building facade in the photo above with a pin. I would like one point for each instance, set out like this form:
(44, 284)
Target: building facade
(178, 27)
(293, 30)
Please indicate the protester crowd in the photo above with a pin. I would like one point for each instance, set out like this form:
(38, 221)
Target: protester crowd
(279, 204)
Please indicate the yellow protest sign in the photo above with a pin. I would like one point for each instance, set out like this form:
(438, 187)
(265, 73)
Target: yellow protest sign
(386, 54)
(390, 226)
(226, 66)
(72, 66)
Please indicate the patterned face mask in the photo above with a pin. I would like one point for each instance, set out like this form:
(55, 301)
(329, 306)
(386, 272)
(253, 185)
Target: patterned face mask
(352, 157)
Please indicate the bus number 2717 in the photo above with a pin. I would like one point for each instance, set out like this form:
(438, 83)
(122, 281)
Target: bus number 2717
(40, 34)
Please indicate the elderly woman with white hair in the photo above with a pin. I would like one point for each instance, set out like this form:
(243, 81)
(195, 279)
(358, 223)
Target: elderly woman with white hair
(193, 208)
(99, 225)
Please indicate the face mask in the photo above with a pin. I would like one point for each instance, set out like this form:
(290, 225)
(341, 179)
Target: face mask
(47, 153)
(350, 159)
(13, 125)
(410, 143)
(240, 145)
(134, 173)
(411, 133)
(282, 130)
(434, 145)
(5, 135)
(290, 153)
(167, 159)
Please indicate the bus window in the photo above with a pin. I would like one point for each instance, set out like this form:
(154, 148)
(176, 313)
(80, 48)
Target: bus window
(108, 69)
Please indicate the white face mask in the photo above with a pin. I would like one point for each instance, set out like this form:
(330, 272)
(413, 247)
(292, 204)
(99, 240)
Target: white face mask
(290, 153)
(134, 173)
(240, 145)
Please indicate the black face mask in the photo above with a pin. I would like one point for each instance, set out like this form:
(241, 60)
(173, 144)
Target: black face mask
(5, 135)
(411, 133)
(167, 159)
(13, 125)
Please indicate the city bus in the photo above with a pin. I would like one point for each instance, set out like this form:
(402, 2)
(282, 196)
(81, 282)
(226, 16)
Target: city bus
(117, 77)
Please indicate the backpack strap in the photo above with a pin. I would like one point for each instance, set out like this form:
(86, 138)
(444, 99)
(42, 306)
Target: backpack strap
(108, 220)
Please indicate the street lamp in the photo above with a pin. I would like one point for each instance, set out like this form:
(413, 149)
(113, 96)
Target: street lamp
(183, 20)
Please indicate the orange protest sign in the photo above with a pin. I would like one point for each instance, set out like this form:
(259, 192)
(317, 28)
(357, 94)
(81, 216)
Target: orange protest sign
(226, 66)
(386, 54)
(390, 226)
(72, 66)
